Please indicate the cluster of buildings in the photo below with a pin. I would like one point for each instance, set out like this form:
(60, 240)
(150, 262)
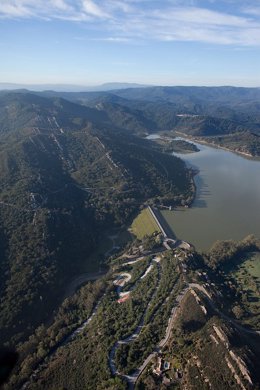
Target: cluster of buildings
(163, 366)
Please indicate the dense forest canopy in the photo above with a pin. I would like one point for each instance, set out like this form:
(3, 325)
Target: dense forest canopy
(65, 179)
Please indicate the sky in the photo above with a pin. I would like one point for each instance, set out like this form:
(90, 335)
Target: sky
(155, 42)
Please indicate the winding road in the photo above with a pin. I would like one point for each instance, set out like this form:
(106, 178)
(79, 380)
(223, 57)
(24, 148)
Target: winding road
(124, 278)
(79, 280)
(120, 281)
(131, 379)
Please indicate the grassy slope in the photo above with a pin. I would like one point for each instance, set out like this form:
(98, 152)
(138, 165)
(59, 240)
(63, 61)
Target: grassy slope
(144, 224)
(247, 278)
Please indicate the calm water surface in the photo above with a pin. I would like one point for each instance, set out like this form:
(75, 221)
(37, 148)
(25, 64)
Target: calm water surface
(227, 204)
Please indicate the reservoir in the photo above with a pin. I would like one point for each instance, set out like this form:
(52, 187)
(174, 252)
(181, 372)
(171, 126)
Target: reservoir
(227, 203)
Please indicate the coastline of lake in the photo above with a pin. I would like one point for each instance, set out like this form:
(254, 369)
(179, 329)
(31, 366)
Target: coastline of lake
(227, 200)
(199, 141)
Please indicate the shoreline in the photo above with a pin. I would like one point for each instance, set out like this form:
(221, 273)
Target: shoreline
(216, 146)
(194, 172)
(225, 148)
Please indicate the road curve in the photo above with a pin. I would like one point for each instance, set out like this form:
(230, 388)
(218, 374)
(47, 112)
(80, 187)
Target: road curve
(132, 337)
(131, 379)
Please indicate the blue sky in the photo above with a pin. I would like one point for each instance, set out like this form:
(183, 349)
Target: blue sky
(166, 42)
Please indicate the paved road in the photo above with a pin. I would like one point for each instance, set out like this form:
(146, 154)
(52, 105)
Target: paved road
(134, 261)
(79, 280)
(172, 318)
(131, 379)
(227, 318)
(164, 341)
(132, 337)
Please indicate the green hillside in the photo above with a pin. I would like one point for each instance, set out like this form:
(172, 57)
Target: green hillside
(73, 175)
(65, 180)
(244, 142)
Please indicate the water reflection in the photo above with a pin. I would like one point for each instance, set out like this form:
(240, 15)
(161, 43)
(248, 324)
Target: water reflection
(227, 202)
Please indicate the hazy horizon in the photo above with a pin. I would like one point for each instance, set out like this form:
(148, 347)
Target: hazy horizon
(90, 42)
(64, 87)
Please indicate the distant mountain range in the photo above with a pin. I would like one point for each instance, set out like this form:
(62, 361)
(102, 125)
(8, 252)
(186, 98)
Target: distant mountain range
(192, 110)
(69, 87)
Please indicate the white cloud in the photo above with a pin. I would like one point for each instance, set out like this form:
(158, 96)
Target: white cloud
(254, 11)
(105, 39)
(7, 8)
(115, 39)
(93, 9)
(42, 9)
(194, 24)
(60, 4)
(126, 20)
(118, 5)
(202, 16)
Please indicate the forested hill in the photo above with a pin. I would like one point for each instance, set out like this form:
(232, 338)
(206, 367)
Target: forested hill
(24, 112)
(199, 111)
(67, 174)
(243, 142)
